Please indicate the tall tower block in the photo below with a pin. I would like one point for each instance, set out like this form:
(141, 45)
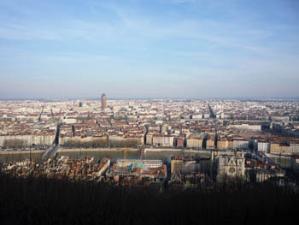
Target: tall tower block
(103, 102)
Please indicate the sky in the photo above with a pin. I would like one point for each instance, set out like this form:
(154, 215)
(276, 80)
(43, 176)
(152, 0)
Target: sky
(149, 48)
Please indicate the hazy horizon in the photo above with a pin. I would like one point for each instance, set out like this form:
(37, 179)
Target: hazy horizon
(292, 98)
(188, 49)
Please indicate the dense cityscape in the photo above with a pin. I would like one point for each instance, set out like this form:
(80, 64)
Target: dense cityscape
(201, 141)
(156, 161)
(171, 112)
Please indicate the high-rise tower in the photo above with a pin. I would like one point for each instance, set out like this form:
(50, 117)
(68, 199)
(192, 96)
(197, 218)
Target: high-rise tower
(103, 101)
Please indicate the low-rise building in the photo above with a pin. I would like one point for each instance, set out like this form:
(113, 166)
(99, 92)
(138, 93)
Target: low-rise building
(224, 143)
(263, 147)
(163, 141)
(194, 142)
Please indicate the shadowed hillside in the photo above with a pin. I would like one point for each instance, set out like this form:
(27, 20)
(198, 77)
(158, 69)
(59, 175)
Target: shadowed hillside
(43, 201)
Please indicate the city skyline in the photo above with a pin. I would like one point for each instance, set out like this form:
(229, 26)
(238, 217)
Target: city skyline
(149, 49)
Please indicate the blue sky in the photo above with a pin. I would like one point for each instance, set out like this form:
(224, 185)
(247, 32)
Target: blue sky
(149, 48)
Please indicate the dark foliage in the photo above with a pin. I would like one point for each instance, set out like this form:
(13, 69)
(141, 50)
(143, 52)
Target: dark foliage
(45, 201)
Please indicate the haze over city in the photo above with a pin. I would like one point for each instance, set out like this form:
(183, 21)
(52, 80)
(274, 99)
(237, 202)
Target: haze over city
(149, 49)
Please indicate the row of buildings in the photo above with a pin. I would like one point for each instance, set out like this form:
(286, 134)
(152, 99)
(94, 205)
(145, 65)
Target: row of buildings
(196, 142)
(268, 126)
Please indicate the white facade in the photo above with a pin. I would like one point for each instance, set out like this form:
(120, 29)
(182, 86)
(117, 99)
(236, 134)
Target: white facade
(28, 140)
(247, 127)
(240, 144)
(164, 141)
(263, 147)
